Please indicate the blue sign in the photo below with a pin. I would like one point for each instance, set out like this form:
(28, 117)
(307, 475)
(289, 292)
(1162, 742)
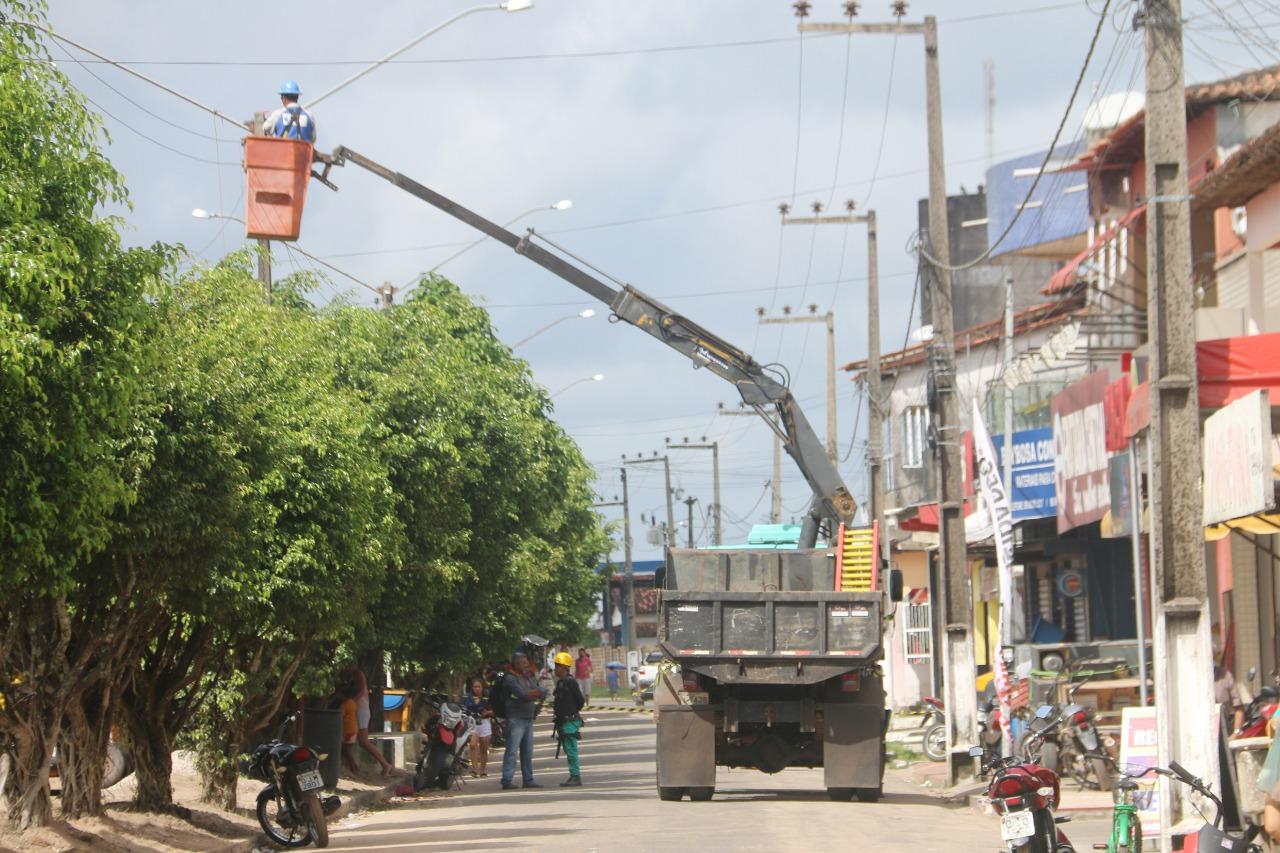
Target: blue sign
(1035, 492)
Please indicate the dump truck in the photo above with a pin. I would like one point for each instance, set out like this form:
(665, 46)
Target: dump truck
(772, 655)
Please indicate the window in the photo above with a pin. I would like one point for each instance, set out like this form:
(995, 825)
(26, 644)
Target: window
(918, 632)
(889, 479)
(915, 427)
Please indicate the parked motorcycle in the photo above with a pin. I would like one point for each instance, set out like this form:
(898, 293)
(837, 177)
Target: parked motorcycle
(445, 756)
(290, 809)
(1212, 836)
(1024, 794)
(934, 742)
(1066, 739)
(1260, 711)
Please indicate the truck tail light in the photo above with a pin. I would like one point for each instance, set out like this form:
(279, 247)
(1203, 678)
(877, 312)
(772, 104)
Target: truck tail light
(690, 681)
(851, 682)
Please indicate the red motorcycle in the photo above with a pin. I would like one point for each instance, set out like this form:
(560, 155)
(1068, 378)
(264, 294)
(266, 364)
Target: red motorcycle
(1024, 795)
(1260, 710)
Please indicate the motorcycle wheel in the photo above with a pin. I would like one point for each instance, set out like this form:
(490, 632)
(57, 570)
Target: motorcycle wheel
(935, 742)
(315, 817)
(1079, 768)
(280, 826)
(119, 765)
(1102, 772)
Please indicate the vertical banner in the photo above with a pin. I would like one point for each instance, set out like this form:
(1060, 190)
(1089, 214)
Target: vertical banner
(1080, 461)
(993, 494)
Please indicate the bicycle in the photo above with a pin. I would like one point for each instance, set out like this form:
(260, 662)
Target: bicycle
(1126, 826)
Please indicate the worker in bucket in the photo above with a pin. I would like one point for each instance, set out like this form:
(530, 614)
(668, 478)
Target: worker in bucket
(567, 706)
(291, 121)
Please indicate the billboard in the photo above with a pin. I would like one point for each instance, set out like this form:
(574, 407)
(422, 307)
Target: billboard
(1035, 494)
(1238, 479)
(1080, 463)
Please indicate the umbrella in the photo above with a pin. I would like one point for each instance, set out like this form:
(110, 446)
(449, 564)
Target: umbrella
(613, 664)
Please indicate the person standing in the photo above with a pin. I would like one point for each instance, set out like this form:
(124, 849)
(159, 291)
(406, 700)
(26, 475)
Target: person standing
(476, 703)
(291, 121)
(567, 706)
(582, 670)
(523, 696)
(363, 714)
(611, 677)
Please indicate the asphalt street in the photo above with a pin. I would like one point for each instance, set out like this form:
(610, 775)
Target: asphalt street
(618, 810)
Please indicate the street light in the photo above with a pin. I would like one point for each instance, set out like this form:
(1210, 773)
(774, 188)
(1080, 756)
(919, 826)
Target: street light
(585, 314)
(595, 377)
(563, 204)
(201, 213)
(508, 6)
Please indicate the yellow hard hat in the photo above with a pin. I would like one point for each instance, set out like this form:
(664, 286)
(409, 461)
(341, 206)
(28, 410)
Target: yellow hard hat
(564, 659)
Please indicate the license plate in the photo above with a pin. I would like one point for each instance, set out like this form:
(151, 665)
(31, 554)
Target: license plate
(1014, 825)
(310, 780)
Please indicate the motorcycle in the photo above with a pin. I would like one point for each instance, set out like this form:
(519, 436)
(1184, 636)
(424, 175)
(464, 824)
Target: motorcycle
(1024, 794)
(290, 809)
(934, 742)
(445, 757)
(989, 730)
(1212, 836)
(1067, 739)
(1260, 711)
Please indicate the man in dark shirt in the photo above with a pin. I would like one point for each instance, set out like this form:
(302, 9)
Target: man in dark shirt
(523, 696)
(567, 706)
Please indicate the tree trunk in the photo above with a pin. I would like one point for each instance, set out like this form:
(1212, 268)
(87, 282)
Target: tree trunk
(219, 784)
(82, 753)
(25, 783)
(151, 751)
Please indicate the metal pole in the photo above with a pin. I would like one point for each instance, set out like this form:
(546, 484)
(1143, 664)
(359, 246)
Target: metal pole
(961, 700)
(689, 502)
(775, 509)
(1135, 519)
(629, 576)
(832, 452)
(264, 267)
(1006, 608)
(1184, 691)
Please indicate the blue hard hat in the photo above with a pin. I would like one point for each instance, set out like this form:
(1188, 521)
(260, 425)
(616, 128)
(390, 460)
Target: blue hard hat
(290, 87)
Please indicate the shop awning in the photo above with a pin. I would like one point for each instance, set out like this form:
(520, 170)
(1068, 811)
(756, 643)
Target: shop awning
(1260, 524)
(1230, 368)
(1065, 278)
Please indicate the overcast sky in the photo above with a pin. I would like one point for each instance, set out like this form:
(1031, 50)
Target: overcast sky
(672, 126)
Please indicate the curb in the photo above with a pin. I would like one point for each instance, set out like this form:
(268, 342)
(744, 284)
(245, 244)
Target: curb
(596, 709)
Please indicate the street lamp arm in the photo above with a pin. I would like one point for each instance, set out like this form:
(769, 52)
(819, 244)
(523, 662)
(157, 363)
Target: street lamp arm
(583, 315)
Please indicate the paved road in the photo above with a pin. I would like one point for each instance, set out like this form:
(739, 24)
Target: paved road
(618, 811)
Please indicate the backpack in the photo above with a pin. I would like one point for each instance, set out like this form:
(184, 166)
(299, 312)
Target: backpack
(498, 693)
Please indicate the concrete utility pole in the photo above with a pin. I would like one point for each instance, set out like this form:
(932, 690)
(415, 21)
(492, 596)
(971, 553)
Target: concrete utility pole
(717, 533)
(959, 665)
(689, 502)
(1182, 645)
(875, 454)
(775, 508)
(628, 569)
(666, 471)
(814, 317)
(607, 619)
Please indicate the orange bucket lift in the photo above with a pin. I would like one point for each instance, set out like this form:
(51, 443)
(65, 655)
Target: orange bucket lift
(277, 171)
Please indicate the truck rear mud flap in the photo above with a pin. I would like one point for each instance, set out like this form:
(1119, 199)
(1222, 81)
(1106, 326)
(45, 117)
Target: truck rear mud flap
(853, 746)
(687, 747)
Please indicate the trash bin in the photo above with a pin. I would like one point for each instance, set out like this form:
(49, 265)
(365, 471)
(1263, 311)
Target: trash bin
(323, 732)
(276, 172)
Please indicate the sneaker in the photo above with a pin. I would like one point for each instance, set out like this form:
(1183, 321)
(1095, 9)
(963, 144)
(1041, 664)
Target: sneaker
(507, 786)
(531, 785)
(572, 782)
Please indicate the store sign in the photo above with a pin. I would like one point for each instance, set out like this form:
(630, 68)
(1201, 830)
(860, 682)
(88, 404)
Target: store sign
(1080, 458)
(1139, 746)
(1034, 492)
(1121, 497)
(1238, 478)
(1051, 353)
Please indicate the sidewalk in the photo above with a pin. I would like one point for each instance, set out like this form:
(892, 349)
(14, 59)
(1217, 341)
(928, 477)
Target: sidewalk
(1074, 801)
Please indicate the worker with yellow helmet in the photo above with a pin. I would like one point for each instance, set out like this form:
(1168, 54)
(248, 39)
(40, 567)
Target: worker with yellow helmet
(567, 704)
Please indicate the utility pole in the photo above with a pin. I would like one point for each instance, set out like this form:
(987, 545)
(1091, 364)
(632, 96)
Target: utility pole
(689, 502)
(989, 73)
(717, 533)
(959, 665)
(875, 453)
(628, 569)
(814, 317)
(607, 618)
(386, 294)
(1182, 645)
(264, 246)
(666, 470)
(775, 508)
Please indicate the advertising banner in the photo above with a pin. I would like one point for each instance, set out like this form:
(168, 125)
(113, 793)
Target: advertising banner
(1138, 742)
(997, 503)
(1034, 491)
(1238, 478)
(1121, 497)
(1080, 458)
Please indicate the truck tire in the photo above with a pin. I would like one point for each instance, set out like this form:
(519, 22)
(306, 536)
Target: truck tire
(867, 795)
(840, 795)
(670, 794)
(701, 794)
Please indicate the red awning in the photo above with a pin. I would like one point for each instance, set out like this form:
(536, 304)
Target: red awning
(1230, 368)
(1065, 278)
(926, 518)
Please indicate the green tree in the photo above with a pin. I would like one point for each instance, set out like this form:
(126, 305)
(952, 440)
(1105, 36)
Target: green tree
(73, 322)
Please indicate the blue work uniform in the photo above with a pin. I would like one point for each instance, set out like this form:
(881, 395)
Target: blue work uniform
(291, 122)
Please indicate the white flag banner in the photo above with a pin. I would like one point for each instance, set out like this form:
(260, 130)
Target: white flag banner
(993, 493)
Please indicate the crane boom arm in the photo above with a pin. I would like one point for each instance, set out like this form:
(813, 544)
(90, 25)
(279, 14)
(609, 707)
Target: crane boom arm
(757, 386)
